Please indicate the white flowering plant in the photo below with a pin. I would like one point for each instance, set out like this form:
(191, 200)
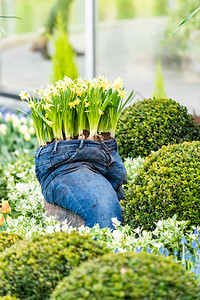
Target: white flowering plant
(66, 109)
(27, 218)
(16, 134)
(21, 188)
(132, 166)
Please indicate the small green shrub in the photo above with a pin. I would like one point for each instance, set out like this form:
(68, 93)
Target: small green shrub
(64, 58)
(159, 86)
(128, 276)
(166, 184)
(7, 240)
(40, 262)
(149, 124)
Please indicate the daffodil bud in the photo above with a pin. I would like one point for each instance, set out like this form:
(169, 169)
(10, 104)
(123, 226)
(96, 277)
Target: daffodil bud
(5, 207)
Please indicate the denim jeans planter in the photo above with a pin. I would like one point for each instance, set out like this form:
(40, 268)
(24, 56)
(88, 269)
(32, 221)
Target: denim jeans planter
(83, 176)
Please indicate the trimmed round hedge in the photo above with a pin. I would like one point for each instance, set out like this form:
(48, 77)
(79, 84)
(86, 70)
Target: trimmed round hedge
(9, 298)
(149, 124)
(128, 276)
(33, 268)
(168, 183)
(8, 239)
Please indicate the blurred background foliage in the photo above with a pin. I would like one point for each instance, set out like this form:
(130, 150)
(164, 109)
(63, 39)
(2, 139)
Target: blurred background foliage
(187, 38)
(131, 36)
(34, 13)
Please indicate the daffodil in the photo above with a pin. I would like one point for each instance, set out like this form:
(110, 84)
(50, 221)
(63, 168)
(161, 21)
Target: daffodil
(24, 95)
(80, 81)
(68, 81)
(55, 92)
(50, 87)
(62, 110)
(118, 83)
(31, 104)
(101, 112)
(47, 95)
(71, 104)
(79, 92)
(105, 84)
(47, 106)
(122, 93)
(77, 101)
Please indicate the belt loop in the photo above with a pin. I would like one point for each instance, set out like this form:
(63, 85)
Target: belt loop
(81, 144)
(38, 154)
(115, 144)
(105, 147)
(55, 146)
(108, 152)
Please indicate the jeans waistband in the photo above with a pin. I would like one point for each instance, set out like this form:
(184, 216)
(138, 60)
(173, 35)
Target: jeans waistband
(62, 145)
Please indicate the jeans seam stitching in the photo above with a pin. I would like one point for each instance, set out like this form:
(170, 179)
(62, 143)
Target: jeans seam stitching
(73, 196)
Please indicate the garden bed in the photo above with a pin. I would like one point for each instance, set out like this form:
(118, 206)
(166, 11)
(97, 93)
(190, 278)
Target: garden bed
(172, 235)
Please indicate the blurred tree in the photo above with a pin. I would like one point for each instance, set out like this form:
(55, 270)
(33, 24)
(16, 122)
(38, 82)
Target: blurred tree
(63, 58)
(62, 8)
(186, 40)
(160, 7)
(126, 9)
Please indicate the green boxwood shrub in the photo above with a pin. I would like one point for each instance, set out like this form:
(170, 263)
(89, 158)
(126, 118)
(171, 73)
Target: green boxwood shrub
(128, 276)
(149, 124)
(168, 183)
(7, 240)
(32, 269)
(9, 298)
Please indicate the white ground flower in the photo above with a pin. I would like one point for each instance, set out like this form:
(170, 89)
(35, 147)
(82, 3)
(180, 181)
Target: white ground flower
(115, 222)
(32, 130)
(16, 123)
(117, 235)
(8, 117)
(49, 229)
(27, 136)
(3, 129)
(23, 129)
(23, 120)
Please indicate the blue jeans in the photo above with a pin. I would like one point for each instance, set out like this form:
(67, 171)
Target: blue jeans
(83, 176)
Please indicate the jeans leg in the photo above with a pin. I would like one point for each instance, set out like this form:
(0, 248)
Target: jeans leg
(89, 195)
(120, 193)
